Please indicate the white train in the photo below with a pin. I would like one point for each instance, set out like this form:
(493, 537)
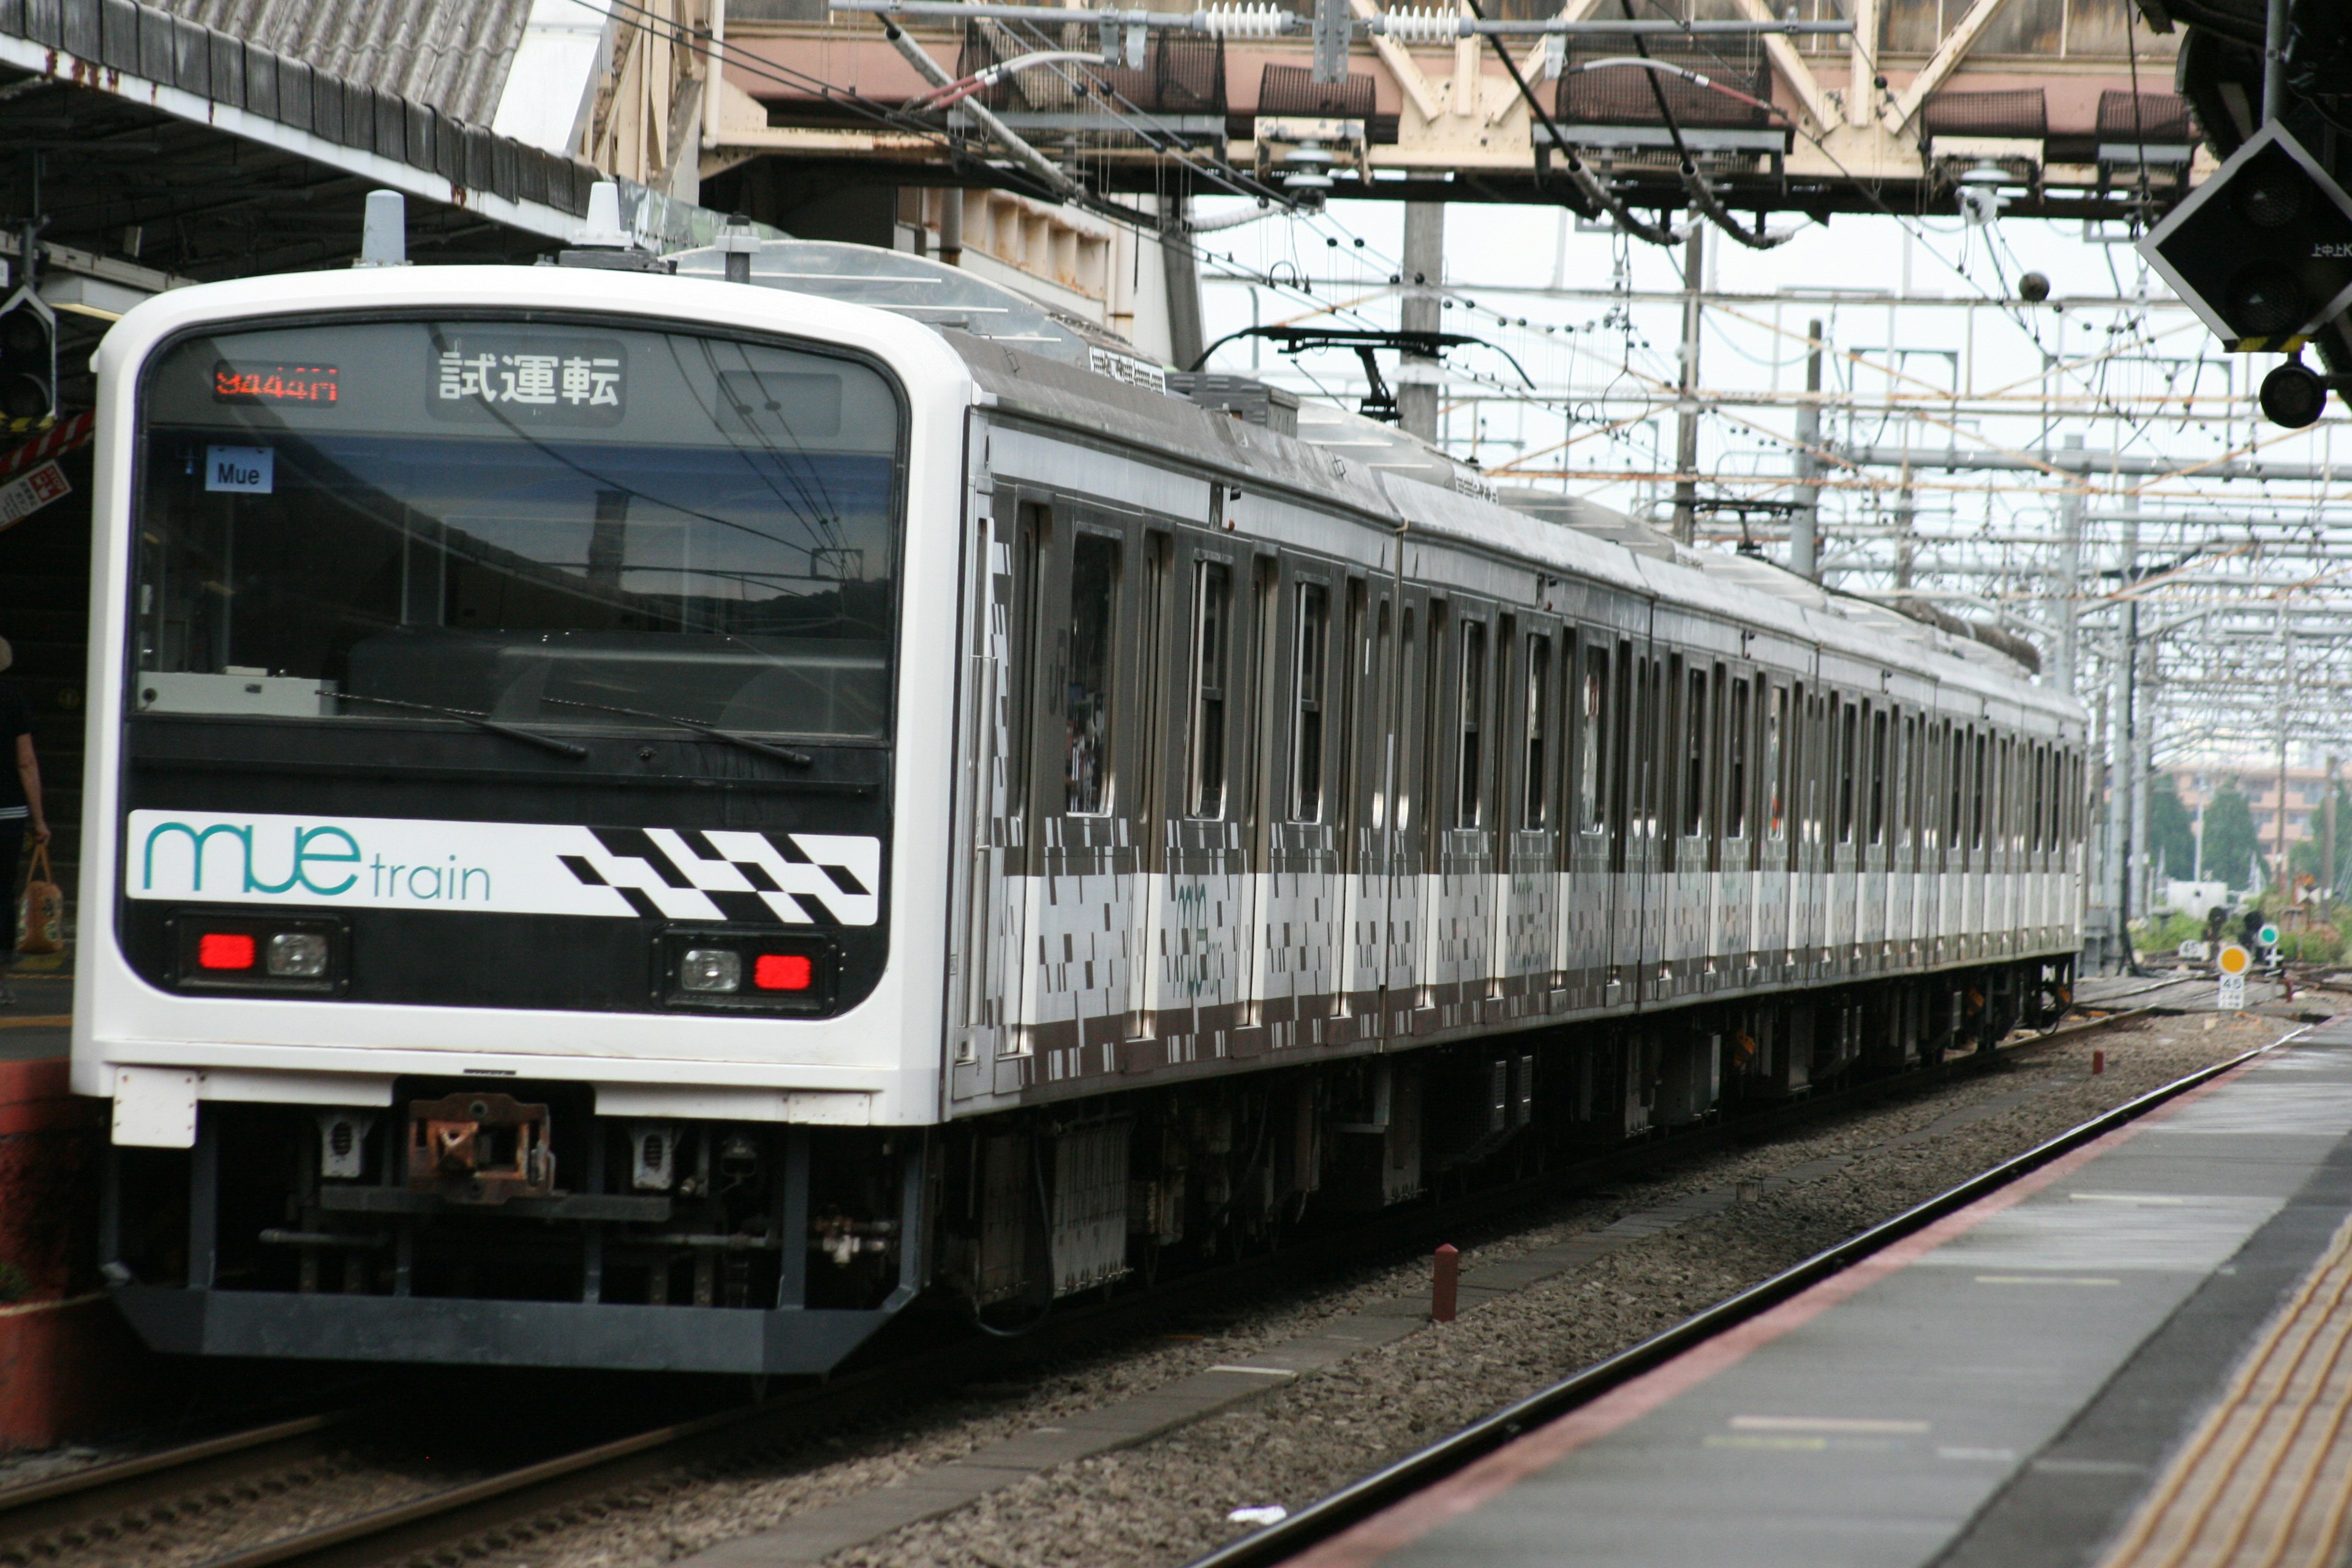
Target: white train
(639, 821)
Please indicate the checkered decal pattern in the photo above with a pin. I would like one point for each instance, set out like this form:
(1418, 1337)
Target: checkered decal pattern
(789, 878)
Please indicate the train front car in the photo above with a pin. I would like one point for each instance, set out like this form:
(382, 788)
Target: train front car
(495, 948)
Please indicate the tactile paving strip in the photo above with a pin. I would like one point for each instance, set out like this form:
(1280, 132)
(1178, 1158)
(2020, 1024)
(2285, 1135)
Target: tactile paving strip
(2266, 1480)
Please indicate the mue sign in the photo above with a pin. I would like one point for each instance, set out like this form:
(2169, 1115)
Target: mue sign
(312, 384)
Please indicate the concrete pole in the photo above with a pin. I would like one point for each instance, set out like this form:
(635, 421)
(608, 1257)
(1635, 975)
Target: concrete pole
(2328, 832)
(1805, 522)
(2286, 718)
(1424, 275)
(2274, 60)
(2069, 576)
(1183, 277)
(2116, 888)
(2144, 773)
(1907, 542)
(1687, 399)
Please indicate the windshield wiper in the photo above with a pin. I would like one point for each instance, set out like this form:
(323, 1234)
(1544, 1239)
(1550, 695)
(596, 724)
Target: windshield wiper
(479, 721)
(797, 759)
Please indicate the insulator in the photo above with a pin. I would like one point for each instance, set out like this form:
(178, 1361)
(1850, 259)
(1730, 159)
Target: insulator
(1422, 24)
(1242, 21)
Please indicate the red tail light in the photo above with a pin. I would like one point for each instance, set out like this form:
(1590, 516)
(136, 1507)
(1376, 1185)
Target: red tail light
(778, 972)
(224, 950)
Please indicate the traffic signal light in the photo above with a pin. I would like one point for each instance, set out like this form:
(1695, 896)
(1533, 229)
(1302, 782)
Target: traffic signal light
(2262, 251)
(28, 357)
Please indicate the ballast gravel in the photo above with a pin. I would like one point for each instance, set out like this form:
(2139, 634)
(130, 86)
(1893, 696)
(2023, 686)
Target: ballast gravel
(1167, 1500)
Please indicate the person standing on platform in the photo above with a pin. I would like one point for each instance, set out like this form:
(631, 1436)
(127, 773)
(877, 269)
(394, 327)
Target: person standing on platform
(21, 816)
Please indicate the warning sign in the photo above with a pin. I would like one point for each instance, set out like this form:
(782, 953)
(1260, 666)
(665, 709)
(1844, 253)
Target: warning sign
(20, 498)
(2236, 961)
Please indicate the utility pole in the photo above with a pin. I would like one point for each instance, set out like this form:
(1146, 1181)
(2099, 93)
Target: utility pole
(2286, 718)
(1418, 382)
(2070, 561)
(1907, 542)
(2328, 832)
(1686, 404)
(1805, 522)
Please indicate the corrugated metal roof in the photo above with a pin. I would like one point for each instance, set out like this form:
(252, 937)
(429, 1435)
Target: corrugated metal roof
(451, 54)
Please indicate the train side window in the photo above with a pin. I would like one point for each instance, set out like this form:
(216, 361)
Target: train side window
(1087, 674)
(1592, 754)
(1406, 731)
(1533, 812)
(1976, 795)
(1031, 525)
(1776, 780)
(1695, 755)
(1878, 776)
(1306, 715)
(1955, 781)
(1474, 705)
(1846, 738)
(1735, 782)
(1213, 595)
(1909, 793)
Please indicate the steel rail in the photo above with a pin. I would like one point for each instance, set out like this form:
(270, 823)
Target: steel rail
(63, 1506)
(1361, 1498)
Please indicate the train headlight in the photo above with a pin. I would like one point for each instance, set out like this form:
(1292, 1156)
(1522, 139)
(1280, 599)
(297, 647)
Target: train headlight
(297, 955)
(709, 971)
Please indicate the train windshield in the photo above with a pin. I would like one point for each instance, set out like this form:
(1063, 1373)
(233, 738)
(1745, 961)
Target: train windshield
(543, 523)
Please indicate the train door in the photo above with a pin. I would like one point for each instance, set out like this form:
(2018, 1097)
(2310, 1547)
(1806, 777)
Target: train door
(1300, 919)
(1198, 948)
(1529, 893)
(1928, 813)
(1903, 728)
(1591, 886)
(1775, 836)
(1463, 923)
(1373, 750)
(1690, 881)
(1732, 953)
(1643, 948)
(1409, 836)
(1845, 757)
(1876, 865)
(1079, 780)
(1973, 920)
(1807, 903)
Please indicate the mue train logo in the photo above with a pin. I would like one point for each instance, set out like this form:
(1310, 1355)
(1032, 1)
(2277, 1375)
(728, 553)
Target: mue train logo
(503, 868)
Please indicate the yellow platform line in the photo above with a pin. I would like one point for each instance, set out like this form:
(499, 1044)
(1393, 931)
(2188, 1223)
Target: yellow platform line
(56, 1021)
(2241, 1493)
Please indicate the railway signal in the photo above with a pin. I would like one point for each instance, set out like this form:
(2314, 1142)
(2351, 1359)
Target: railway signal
(2262, 253)
(28, 356)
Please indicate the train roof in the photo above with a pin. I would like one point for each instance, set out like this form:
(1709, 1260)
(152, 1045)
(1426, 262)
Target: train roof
(1058, 369)
(1342, 460)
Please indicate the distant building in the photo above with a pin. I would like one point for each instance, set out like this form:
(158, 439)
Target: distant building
(2306, 790)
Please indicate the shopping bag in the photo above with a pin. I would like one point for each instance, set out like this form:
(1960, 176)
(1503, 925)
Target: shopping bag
(41, 922)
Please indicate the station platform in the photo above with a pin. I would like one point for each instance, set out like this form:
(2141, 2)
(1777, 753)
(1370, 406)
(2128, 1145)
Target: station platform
(2139, 1354)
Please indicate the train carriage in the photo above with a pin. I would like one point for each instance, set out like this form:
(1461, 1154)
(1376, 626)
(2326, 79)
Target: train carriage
(646, 821)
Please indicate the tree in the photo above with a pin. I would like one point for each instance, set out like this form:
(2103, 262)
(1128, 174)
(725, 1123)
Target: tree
(2171, 843)
(2233, 853)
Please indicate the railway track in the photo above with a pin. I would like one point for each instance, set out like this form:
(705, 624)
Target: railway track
(1329, 1516)
(48, 1520)
(58, 1519)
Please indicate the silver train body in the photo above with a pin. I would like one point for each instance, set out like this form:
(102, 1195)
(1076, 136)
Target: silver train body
(664, 871)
